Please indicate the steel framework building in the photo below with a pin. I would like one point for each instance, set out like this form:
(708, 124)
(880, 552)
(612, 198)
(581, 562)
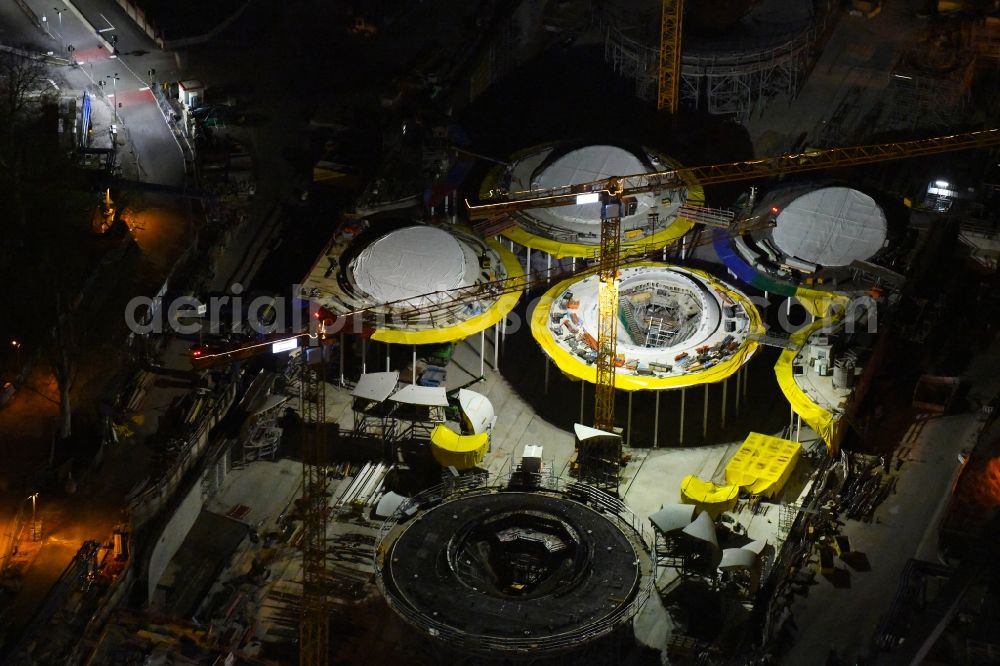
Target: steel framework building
(724, 81)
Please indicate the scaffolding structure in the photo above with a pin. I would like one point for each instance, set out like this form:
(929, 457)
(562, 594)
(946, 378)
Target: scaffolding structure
(737, 81)
(983, 37)
(930, 85)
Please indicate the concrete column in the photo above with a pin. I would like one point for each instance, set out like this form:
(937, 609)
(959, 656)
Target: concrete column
(656, 419)
(546, 375)
(739, 378)
(482, 353)
(496, 346)
(364, 355)
(527, 269)
(341, 359)
(798, 427)
(683, 400)
(387, 357)
(628, 423)
(583, 385)
(791, 419)
(725, 386)
(573, 264)
(413, 373)
(704, 416)
(548, 268)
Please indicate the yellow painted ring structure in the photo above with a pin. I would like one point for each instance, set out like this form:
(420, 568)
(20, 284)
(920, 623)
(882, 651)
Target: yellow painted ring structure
(496, 312)
(559, 250)
(459, 451)
(576, 368)
(828, 307)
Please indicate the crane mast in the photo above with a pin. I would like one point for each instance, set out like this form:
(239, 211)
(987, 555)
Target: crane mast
(314, 628)
(607, 322)
(669, 74)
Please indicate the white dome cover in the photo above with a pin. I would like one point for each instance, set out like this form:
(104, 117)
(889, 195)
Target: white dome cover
(832, 226)
(584, 165)
(409, 262)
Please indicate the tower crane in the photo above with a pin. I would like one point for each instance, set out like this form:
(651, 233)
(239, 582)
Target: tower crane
(616, 196)
(669, 65)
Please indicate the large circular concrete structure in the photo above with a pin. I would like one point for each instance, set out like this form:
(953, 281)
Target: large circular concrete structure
(818, 232)
(421, 284)
(736, 54)
(830, 227)
(509, 574)
(407, 263)
(677, 327)
(575, 230)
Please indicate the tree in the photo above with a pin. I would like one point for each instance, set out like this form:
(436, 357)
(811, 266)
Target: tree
(20, 76)
(39, 244)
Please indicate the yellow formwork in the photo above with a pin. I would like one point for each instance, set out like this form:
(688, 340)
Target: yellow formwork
(496, 312)
(707, 496)
(829, 307)
(576, 368)
(763, 464)
(459, 451)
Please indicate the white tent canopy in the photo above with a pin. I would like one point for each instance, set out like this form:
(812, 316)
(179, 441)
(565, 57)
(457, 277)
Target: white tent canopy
(831, 226)
(738, 558)
(376, 386)
(388, 504)
(703, 529)
(584, 433)
(477, 408)
(269, 403)
(672, 517)
(583, 166)
(409, 262)
(426, 396)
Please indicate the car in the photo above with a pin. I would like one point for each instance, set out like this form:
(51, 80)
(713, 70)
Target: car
(7, 392)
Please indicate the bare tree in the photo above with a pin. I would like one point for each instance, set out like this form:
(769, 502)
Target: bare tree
(38, 251)
(20, 77)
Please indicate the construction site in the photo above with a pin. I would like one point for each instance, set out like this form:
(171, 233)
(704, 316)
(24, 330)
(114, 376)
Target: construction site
(598, 402)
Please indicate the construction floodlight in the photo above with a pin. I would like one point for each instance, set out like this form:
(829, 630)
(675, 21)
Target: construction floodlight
(590, 197)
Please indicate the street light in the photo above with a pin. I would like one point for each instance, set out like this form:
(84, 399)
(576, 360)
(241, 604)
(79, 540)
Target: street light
(59, 12)
(114, 84)
(34, 522)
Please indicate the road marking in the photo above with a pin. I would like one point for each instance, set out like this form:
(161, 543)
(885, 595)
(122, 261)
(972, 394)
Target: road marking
(143, 88)
(105, 30)
(111, 26)
(53, 83)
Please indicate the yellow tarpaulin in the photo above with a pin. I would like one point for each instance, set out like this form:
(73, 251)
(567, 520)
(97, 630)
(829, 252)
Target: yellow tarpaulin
(577, 368)
(458, 451)
(830, 306)
(763, 464)
(707, 496)
(560, 250)
(504, 304)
